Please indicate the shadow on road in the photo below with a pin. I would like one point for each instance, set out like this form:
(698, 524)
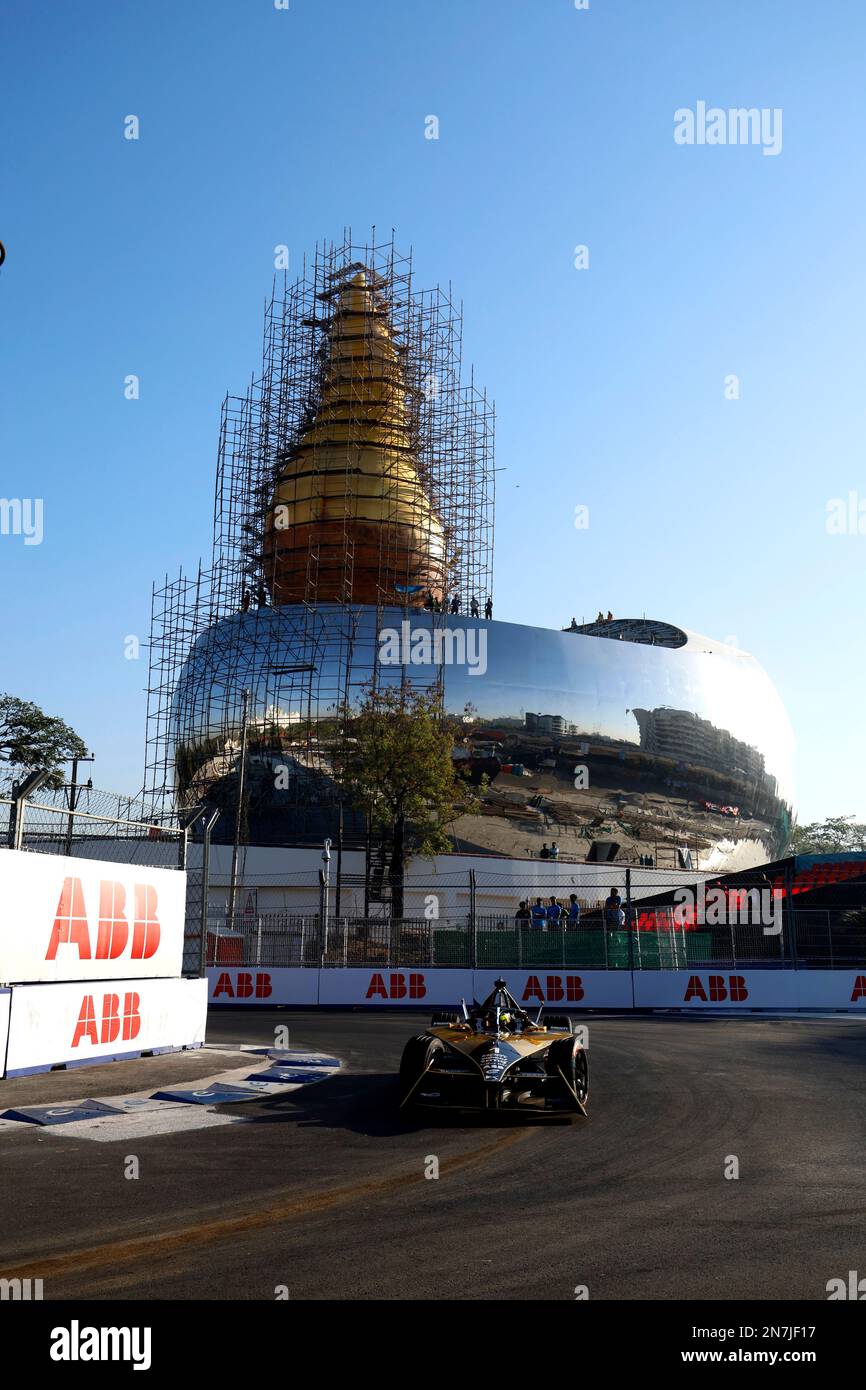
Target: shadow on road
(367, 1103)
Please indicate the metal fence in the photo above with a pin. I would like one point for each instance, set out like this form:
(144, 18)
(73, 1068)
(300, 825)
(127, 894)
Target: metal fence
(813, 939)
(102, 825)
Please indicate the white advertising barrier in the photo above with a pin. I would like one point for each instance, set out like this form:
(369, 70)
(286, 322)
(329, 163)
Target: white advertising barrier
(398, 986)
(256, 984)
(562, 987)
(102, 1021)
(87, 919)
(722, 988)
(832, 989)
(5, 1000)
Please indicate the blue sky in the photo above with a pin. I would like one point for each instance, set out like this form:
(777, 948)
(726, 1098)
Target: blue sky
(261, 127)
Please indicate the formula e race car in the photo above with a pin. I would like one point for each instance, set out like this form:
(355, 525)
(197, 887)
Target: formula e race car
(493, 1056)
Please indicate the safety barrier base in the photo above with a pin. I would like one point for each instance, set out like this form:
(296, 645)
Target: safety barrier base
(732, 990)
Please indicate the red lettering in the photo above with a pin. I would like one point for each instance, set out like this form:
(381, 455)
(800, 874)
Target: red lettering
(533, 990)
(574, 987)
(86, 1025)
(110, 1018)
(243, 984)
(146, 929)
(717, 988)
(263, 986)
(859, 991)
(737, 986)
(417, 987)
(224, 986)
(694, 989)
(555, 992)
(376, 986)
(70, 921)
(113, 930)
(398, 986)
(131, 1016)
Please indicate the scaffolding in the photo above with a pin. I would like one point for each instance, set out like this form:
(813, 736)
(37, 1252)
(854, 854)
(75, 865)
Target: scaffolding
(355, 475)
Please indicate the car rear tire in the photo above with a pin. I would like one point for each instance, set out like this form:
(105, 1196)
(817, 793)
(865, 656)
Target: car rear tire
(558, 1021)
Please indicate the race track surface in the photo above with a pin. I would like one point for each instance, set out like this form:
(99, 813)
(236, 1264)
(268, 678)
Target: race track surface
(326, 1193)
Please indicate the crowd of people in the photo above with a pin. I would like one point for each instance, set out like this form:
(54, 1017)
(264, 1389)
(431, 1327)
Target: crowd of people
(552, 915)
(435, 605)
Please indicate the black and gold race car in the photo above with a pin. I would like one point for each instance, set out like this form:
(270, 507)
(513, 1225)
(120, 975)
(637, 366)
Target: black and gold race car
(493, 1056)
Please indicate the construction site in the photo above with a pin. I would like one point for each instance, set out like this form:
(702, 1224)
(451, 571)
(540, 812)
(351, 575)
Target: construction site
(355, 475)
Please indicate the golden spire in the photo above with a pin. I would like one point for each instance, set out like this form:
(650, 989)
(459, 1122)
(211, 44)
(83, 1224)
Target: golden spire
(350, 518)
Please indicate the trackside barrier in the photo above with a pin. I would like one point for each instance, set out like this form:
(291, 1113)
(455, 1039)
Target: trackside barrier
(101, 1020)
(63, 918)
(91, 953)
(698, 990)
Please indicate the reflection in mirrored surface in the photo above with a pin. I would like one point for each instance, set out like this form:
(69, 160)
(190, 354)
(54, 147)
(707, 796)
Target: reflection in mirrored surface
(642, 735)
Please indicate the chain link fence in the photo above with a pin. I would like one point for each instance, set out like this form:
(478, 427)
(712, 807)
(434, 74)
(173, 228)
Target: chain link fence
(832, 938)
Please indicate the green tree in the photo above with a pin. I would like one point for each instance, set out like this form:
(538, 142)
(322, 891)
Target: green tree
(396, 766)
(31, 739)
(836, 835)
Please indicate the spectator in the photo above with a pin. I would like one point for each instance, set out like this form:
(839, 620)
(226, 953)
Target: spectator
(455, 604)
(523, 914)
(544, 852)
(609, 618)
(554, 850)
(612, 906)
(554, 913)
(539, 915)
(488, 608)
(573, 912)
(600, 618)
(573, 627)
(473, 607)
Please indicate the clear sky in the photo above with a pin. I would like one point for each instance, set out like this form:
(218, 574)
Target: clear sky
(261, 126)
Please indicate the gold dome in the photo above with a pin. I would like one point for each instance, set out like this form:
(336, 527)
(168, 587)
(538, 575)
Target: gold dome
(350, 519)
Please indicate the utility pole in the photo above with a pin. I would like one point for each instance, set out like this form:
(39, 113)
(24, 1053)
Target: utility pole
(87, 758)
(242, 779)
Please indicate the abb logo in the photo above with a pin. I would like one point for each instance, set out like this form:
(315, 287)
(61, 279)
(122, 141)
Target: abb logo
(113, 1022)
(556, 989)
(859, 990)
(716, 990)
(113, 930)
(245, 986)
(396, 988)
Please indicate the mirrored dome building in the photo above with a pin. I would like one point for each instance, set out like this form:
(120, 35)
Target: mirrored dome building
(353, 545)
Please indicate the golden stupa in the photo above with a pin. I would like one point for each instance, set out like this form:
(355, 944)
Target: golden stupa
(350, 519)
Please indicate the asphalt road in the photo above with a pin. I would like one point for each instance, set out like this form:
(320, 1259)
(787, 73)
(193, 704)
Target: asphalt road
(326, 1193)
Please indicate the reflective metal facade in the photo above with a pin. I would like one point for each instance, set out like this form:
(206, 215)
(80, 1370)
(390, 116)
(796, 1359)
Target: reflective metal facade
(674, 740)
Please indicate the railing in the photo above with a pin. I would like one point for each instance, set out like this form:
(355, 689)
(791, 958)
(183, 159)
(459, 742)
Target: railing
(822, 940)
